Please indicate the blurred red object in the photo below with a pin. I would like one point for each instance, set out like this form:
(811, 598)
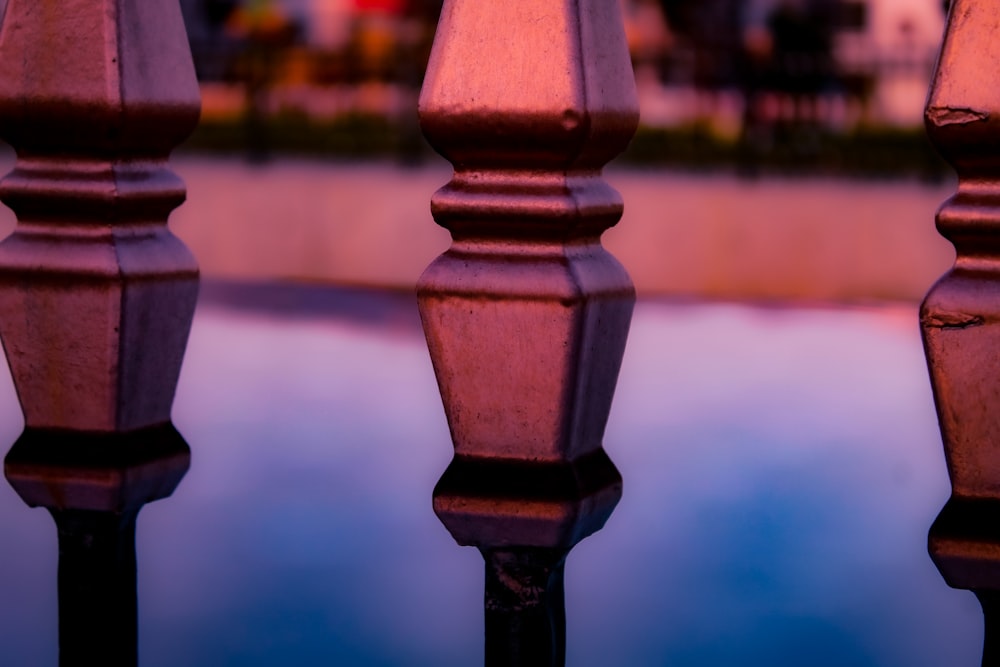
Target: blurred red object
(388, 6)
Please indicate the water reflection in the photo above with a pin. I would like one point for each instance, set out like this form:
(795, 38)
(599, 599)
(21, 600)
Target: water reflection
(782, 467)
(94, 486)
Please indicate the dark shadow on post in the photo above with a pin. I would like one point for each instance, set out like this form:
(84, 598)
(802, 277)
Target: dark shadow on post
(94, 486)
(990, 601)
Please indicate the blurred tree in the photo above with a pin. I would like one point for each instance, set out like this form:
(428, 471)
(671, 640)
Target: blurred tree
(266, 33)
(802, 35)
(217, 12)
(709, 36)
(424, 15)
(426, 10)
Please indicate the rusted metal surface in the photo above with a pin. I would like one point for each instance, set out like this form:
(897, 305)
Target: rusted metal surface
(94, 486)
(960, 317)
(526, 315)
(96, 295)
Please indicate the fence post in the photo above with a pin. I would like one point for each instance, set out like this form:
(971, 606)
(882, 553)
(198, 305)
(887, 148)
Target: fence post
(94, 486)
(96, 295)
(960, 317)
(526, 315)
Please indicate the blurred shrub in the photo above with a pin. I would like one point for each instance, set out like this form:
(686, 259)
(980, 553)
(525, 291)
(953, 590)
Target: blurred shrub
(863, 152)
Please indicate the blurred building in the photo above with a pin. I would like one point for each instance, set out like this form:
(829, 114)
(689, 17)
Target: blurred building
(858, 60)
(721, 61)
(893, 44)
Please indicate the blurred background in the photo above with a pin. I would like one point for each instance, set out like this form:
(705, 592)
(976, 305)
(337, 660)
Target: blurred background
(773, 424)
(834, 85)
(781, 153)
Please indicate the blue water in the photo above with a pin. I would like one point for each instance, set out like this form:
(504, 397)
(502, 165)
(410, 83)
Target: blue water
(781, 469)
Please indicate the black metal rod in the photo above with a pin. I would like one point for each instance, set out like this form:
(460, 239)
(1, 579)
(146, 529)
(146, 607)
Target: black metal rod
(525, 608)
(97, 588)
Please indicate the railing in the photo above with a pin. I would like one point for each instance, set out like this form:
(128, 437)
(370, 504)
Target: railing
(96, 295)
(959, 315)
(526, 315)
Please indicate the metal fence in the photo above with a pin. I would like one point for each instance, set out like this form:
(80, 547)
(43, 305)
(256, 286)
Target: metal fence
(526, 315)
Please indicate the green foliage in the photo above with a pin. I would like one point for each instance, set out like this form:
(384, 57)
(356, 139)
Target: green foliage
(793, 150)
(348, 135)
(865, 151)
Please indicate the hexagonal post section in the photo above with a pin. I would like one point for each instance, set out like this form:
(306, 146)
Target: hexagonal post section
(94, 486)
(96, 295)
(526, 315)
(960, 317)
